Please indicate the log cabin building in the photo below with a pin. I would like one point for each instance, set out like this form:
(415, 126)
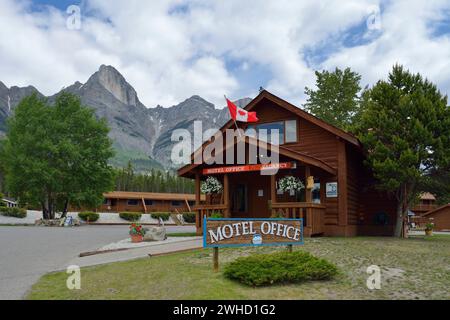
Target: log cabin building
(440, 217)
(340, 199)
(427, 202)
(146, 202)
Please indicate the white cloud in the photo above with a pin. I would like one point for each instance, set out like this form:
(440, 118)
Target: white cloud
(170, 50)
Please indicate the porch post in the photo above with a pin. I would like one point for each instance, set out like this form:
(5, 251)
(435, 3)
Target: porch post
(198, 217)
(226, 196)
(273, 190)
(308, 196)
(308, 199)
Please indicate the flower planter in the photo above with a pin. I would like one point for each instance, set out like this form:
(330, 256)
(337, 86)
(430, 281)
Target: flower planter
(428, 232)
(136, 238)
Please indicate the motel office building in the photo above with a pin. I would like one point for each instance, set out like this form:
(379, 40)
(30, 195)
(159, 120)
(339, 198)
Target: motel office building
(340, 201)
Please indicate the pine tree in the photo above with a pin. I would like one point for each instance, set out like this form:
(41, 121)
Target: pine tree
(405, 130)
(336, 99)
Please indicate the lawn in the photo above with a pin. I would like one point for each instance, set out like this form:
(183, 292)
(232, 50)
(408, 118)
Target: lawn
(415, 268)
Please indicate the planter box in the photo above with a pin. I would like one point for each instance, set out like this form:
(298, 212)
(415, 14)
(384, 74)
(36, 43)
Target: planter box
(137, 238)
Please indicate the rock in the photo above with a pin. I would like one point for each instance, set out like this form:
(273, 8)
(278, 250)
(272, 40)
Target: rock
(155, 234)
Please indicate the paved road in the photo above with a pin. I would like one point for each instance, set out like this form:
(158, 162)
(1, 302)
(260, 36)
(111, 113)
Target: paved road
(27, 253)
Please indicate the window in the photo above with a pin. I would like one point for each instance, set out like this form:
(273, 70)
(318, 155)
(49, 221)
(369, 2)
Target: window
(107, 202)
(315, 192)
(291, 131)
(265, 130)
(287, 131)
(148, 202)
(176, 203)
(132, 202)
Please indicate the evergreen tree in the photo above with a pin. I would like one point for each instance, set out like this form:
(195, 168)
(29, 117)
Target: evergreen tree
(405, 130)
(336, 99)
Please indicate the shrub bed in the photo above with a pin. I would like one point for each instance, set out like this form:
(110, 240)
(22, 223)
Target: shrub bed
(189, 217)
(88, 216)
(13, 212)
(131, 216)
(282, 267)
(163, 215)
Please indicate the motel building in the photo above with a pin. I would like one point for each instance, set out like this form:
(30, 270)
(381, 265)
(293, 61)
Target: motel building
(147, 202)
(339, 198)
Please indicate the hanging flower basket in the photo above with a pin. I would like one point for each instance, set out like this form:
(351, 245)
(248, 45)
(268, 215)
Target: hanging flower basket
(290, 184)
(211, 186)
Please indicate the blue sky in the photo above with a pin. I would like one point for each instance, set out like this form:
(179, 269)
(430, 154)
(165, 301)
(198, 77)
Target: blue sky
(60, 4)
(170, 50)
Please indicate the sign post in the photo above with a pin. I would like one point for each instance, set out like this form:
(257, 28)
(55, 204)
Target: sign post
(216, 259)
(241, 232)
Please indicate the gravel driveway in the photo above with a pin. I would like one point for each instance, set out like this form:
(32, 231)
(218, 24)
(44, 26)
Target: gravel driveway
(26, 253)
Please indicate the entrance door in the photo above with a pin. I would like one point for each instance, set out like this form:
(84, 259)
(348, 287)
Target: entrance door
(259, 207)
(239, 202)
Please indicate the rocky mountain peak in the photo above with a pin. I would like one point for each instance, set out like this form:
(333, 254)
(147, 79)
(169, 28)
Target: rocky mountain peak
(196, 101)
(111, 79)
(3, 87)
(141, 135)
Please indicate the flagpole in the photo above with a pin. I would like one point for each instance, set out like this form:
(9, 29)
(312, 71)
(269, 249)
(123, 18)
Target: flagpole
(235, 123)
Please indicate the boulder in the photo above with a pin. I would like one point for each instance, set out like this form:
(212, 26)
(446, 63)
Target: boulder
(155, 234)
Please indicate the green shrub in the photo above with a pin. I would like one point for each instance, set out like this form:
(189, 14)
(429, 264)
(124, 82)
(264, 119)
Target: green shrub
(131, 216)
(216, 215)
(163, 215)
(13, 212)
(189, 217)
(282, 267)
(88, 216)
(2, 203)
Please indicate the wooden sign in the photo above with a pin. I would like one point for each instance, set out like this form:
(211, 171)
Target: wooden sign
(239, 232)
(250, 167)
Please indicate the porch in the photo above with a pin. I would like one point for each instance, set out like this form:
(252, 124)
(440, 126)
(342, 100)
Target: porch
(252, 195)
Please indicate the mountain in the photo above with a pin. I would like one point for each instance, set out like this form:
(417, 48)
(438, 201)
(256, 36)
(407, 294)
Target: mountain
(140, 134)
(9, 98)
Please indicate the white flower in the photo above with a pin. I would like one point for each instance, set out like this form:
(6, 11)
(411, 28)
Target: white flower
(211, 185)
(290, 183)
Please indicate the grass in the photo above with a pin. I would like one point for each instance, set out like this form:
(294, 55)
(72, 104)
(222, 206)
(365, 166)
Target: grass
(415, 268)
(182, 234)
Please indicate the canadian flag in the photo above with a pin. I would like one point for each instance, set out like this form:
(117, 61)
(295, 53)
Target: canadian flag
(239, 114)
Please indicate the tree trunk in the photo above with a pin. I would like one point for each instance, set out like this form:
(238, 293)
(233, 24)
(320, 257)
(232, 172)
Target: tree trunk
(44, 211)
(65, 209)
(399, 222)
(401, 226)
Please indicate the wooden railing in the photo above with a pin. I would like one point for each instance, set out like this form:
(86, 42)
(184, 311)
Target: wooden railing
(313, 214)
(424, 207)
(207, 210)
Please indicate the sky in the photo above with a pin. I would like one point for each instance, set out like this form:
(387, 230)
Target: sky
(170, 50)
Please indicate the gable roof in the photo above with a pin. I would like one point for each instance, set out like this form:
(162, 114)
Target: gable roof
(427, 196)
(295, 155)
(264, 94)
(436, 210)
